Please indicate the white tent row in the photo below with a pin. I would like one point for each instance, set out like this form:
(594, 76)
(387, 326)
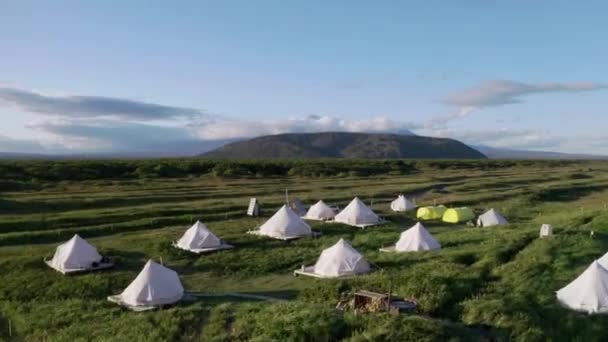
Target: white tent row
(401, 203)
(154, 286)
(284, 225)
(357, 214)
(77, 255)
(416, 238)
(339, 260)
(199, 239)
(491, 218)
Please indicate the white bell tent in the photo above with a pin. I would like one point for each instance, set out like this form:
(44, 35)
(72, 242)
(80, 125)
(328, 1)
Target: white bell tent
(415, 239)
(401, 203)
(199, 239)
(339, 260)
(491, 218)
(76, 255)
(604, 260)
(588, 292)
(284, 225)
(357, 214)
(320, 211)
(154, 286)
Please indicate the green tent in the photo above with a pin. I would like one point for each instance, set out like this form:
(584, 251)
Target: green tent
(455, 215)
(431, 212)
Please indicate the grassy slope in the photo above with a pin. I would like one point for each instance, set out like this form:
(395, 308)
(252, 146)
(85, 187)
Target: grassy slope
(485, 283)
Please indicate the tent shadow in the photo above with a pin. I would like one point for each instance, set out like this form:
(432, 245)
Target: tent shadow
(396, 261)
(336, 229)
(458, 243)
(125, 260)
(392, 264)
(241, 297)
(262, 242)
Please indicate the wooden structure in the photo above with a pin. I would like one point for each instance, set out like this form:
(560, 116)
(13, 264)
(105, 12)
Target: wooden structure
(370, 302)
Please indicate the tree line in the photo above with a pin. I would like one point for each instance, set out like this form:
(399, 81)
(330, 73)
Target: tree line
(78, 170)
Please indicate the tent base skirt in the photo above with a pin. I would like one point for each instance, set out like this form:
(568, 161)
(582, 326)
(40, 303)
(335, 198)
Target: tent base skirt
(137, 308)
(582, 310)
(402, 210)
(100, 266)
(309, 272)
(362, 226)
(205, 250)
(314, 219)
(284, 238)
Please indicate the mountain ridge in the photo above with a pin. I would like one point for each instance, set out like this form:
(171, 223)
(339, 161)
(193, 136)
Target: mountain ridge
(507, 153)
(346, 145)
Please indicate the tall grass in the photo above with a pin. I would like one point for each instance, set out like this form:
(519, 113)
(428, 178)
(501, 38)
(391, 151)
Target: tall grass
(485, 284)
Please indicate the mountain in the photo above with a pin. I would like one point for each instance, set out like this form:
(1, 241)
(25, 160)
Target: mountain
(345, 145)
(503, 153)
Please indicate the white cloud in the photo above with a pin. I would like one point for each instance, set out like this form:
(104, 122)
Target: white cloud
(103, 124)
(503, 138)
(79, 106)
(124, 137)
(225, 128)
(78, 135)
(497, 93)
(501, 92)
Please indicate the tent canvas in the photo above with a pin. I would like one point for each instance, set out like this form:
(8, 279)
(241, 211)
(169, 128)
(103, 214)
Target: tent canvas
(320, 211)
(199, 239)
(154, 286)
(284, 225)
(456, 215)
(357, 214)
(604, 260)
(416, 238)
(491, 218)
(546, 230)
(588, 292)
(77, 255)
(297, 206)
(339, 260)
(401, 203)
(431, 212)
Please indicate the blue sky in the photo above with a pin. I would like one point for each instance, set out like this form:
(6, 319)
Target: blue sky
(157, 76)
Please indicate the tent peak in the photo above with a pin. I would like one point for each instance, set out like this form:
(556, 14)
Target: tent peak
(418, 225)
(76, 237)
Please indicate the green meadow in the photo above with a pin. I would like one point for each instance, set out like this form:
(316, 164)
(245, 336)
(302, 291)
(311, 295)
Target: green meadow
(485, 284)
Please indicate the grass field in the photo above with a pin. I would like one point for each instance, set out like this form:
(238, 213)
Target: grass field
(485, 284)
